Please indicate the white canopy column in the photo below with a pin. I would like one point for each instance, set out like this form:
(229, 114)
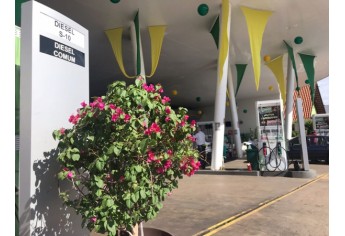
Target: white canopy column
(220, 100)
(234, 116)
(289, 101)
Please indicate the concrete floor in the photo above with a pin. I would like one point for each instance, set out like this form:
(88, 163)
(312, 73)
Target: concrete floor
(211, 204)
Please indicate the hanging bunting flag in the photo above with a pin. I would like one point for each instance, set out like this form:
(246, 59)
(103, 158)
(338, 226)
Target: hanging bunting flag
(276, 66)
(115, 39)
(308, 63)
(240, 68)
(256, 23)
(215, 31)
(292, 58)
(156, 35)
(224, 40)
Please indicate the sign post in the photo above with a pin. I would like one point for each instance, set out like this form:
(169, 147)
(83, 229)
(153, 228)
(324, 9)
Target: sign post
(54, 81)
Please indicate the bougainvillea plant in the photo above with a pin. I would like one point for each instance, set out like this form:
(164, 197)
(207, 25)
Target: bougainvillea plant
(123, 155)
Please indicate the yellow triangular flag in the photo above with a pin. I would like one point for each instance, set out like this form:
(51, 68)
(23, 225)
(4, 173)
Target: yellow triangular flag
(276, 66)
(156, 35)
(256, 23)
(115, 39)
(224, 40)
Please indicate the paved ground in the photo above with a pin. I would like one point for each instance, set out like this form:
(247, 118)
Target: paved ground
(222, 205)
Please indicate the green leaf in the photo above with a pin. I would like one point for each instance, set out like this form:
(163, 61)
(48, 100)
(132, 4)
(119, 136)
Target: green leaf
(99, 192)
(159, 205)
(100, 183)
(127, 196)
(112, 229)
(75, 157)
(142, 194)
(110, 202)
(135, 197)
(117, 151)
(110, 150)
(143, 146)
(91, 138)
(100, 165)
(138, 168)
(61, 175)
(129, 203)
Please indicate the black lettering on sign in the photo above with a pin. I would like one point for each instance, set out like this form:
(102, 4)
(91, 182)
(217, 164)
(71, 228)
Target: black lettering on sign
(62, 51)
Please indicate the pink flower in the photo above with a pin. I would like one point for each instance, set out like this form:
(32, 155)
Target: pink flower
(160, 170)
(93, 219)
(127, 118)
(74, 119)
(192, 123)
(167, 119)
(167, 110)
(167, 164)
(186, 117)
(112, 106)
(70, 175)
(118, 110)
(151, 156)
(160, 90)
(183, 123)
(165, 99)
(148, 88)
(147, 131)
(114, 117)
(170, 152)
(101, 105)
(93, 104)
(62, 131)
(169, 194)
(191, 138)
(189, 166)
(98, 102)
(155, 128)
(83, 104)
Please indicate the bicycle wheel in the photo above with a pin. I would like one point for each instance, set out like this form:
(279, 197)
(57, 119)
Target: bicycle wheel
(277, 160)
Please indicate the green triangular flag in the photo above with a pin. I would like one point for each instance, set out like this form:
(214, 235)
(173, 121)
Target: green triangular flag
(308, 63)
(215, 31)
(240, 68)
(292, 58)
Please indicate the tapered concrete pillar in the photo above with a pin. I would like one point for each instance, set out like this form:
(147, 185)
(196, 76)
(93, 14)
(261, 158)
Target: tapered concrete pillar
(234, 116)
(220, 100)
(289, 101)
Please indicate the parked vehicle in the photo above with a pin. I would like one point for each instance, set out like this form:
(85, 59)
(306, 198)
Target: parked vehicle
(317, 146)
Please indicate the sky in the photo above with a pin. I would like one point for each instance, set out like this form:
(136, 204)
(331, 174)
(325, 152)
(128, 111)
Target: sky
(324, 90)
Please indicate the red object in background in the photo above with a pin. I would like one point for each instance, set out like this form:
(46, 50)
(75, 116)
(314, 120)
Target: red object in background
(249, 167)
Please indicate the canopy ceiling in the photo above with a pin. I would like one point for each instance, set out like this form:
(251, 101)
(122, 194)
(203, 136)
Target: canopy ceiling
(188, 60)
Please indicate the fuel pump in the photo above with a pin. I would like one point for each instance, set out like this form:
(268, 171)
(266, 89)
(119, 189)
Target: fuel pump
(271, 140)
